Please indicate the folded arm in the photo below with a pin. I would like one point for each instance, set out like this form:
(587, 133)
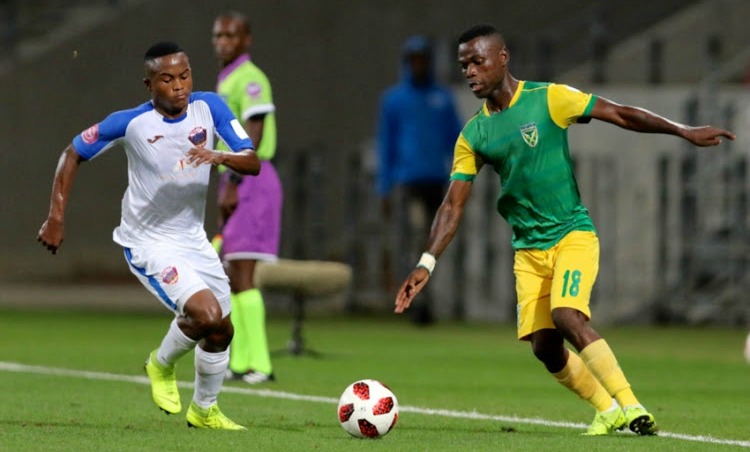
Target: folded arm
(243, 162)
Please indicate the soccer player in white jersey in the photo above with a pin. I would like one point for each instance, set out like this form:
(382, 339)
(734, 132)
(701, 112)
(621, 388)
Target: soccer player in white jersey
(169, 143)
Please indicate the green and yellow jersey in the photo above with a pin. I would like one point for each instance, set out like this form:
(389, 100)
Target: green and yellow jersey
(247, 91)
(527, 146)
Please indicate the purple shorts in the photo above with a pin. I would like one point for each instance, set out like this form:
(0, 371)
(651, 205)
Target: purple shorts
(253, 231)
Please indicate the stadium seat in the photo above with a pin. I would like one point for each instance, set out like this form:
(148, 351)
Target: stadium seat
(304, 279)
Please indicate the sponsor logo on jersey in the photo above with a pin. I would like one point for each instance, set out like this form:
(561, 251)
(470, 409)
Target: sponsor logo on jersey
(169, 275)
(530, 134)
(198, 136)
(90, 135)
(253, 90)
(182, 170)
(155, 139)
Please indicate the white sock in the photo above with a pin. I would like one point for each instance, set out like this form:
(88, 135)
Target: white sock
(174, 345)
(634, 406)
(613, 407)
(209, 376)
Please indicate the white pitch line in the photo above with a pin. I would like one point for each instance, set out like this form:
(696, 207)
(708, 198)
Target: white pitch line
(24, 368)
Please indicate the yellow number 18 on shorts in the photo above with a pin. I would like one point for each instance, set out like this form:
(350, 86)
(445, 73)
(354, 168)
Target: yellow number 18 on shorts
(561, 276)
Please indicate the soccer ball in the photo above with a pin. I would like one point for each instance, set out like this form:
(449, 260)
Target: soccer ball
(368, 409)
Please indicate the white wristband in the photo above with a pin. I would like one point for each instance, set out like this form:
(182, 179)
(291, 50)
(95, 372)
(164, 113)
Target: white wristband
(427, 261)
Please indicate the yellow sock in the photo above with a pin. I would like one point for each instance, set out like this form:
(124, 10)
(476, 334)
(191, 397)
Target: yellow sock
(577, 377)
(602, 363)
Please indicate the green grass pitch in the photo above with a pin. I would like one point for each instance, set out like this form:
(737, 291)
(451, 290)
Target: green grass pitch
(73, 380)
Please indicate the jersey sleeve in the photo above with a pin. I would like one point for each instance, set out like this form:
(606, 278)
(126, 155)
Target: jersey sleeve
(227, 126)
(103, 135)
(256, 98)
(567, 104)
(466, 162)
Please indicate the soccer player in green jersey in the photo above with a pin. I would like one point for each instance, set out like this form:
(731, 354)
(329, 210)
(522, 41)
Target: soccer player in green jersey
(521, 132)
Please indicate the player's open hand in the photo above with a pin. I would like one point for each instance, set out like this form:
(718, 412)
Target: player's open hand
(707, 135)
(202, 156)
(413, 284)
(51, 235)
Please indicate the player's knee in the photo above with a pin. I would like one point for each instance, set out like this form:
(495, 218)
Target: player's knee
(209, 321)
(211, 317)
(219, 338)
(547, 346)
(227, 331)
(540, 351)
(567, 320)
(574, 327)
(204, 313)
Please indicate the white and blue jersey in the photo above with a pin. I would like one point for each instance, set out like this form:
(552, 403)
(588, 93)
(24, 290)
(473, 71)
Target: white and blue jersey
(166, 198)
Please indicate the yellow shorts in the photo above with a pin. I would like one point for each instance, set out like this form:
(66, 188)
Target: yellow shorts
(561, 276)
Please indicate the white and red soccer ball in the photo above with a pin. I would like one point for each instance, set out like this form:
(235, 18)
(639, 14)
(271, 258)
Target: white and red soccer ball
(368, 409)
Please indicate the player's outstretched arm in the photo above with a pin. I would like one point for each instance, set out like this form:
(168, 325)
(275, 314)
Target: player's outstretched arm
(444, 227)
(52, 230)
(642, 120)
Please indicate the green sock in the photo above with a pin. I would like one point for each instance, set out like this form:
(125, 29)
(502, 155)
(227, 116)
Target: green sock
(250, 348)
(239, 355)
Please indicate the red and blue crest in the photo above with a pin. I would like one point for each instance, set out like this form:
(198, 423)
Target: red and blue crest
(169, 275)
(198, 136)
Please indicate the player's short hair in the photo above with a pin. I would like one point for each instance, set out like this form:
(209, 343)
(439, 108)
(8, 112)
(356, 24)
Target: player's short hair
(238, 16)
(161, 49)
(480, 30)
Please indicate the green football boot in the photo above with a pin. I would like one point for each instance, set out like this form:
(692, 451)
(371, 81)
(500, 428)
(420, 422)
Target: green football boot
(210, 417)
(607, 422)
(163, 385)
(640, 421)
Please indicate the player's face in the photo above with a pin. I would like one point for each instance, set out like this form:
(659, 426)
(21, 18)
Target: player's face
(484, 62)
(170, 82)
(230, 39)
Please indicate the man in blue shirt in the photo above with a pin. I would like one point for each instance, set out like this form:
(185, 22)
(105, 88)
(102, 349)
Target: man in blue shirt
(417, 129)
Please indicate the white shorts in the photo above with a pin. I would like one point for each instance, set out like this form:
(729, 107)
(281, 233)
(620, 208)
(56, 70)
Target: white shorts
(175, 273)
